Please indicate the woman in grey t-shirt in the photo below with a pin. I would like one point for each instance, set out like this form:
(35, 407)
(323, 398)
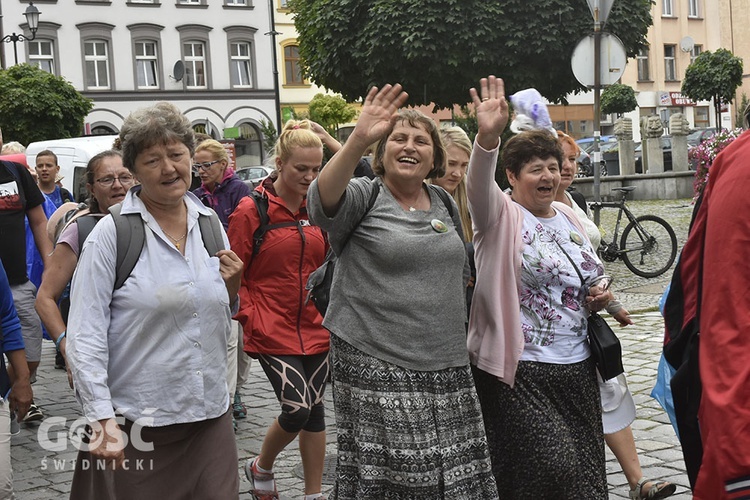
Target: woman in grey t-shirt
(408, 418)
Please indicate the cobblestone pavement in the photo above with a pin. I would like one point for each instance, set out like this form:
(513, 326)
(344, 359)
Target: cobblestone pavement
(44, 474)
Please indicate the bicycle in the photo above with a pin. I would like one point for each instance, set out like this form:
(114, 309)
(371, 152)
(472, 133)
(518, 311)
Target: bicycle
(648, 246)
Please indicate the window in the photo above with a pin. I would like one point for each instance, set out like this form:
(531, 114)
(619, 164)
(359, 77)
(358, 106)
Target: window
(697, 49)
(147, 60)
(42, 52)
(666, 8)
(98, 68)
(700, 116)
(241, 56)
(241, 69)
(249, 146)
(237, 3)
(670, 74)
(293, 75)
(693, 10)
(283, 4)
(195, 65)
(95, 54)
(190, 2)
(644, 75)
(146, 65)
(41, 55)
(196, 55)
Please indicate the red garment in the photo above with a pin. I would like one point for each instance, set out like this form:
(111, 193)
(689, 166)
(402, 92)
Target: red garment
(724, 413)
(273, 312)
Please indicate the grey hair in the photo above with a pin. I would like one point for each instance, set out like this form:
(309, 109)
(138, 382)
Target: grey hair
(161, 123)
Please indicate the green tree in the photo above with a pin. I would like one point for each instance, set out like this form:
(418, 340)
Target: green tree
(330, 111)
(438, 49)
(268, 129)
(619, 99)
(36, 105)
(739, 117)
(713, 75)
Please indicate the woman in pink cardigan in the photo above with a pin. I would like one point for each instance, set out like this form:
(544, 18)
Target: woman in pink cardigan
(536, 275)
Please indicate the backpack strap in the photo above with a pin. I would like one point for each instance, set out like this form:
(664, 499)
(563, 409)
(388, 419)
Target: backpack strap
(443, 194)
(131, 236)
(210, 227)
(85, 224)
(261, 203)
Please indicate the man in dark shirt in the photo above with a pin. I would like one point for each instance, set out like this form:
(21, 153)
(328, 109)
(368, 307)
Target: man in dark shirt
(19, 197)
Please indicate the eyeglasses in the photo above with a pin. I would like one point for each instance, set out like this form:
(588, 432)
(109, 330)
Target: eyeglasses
(204, 166)
(125, 180)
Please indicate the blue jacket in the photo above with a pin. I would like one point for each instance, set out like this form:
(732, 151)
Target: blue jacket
(226, 196)
(10, 329)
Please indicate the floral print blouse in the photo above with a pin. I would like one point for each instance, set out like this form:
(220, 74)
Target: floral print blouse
(553, 311)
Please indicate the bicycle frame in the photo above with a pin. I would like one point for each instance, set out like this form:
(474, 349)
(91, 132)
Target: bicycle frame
(614, 246)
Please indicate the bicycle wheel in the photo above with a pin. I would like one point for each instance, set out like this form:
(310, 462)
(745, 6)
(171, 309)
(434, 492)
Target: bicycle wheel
(649, 246)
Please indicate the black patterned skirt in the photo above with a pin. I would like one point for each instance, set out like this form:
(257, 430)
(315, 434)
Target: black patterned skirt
(406, 434)
(545, 433)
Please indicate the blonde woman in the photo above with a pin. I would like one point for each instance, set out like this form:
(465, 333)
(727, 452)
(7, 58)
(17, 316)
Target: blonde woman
(220, 189)
(281, 329)
(458, 150)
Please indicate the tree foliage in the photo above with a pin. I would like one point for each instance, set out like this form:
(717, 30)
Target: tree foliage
(268, 129)
(36, 105)
(438, 49)
(618, 98)
(330, 111)
(713, 75)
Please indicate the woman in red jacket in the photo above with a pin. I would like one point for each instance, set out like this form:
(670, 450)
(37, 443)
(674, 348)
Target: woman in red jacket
(281, 330)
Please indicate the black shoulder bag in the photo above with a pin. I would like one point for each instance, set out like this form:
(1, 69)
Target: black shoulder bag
(604, 344)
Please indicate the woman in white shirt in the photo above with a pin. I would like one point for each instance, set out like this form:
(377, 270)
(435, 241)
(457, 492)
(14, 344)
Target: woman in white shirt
(149, 358)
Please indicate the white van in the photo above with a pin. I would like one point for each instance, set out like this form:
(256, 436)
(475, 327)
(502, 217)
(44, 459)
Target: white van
(72, 155)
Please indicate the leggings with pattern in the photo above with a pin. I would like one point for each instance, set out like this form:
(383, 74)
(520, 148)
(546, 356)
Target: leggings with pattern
(299, 383)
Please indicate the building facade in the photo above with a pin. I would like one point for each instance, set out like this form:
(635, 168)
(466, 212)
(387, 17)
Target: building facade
(211, 58)
(681, 30)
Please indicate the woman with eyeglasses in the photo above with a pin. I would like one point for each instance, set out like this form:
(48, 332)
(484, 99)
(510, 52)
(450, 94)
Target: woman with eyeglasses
(107, 181)
(220, 189)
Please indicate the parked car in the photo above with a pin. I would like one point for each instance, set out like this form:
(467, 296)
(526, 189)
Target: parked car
(587, 143)
(699, 135)
(253, 176)
(666, 148)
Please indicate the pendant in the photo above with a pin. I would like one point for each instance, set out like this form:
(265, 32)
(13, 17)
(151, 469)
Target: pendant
(412, 209)
(439, 226)
(576, 238)
(177, 245)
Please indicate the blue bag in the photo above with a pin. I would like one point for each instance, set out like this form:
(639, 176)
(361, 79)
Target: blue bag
(662, 391)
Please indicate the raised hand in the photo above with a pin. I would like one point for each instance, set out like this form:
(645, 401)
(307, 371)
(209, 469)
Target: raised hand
(378, 114)
(491, 109)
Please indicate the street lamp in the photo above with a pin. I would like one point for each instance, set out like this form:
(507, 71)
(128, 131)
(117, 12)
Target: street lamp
(32, 18)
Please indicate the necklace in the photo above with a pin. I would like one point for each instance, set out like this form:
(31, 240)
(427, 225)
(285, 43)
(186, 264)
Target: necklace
(176, 241)
(411, 205)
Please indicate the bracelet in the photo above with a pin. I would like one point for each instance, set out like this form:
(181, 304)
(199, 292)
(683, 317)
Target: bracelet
(613, 306)
(59, 339)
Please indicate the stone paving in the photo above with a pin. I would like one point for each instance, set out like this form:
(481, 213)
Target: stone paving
(43, 474)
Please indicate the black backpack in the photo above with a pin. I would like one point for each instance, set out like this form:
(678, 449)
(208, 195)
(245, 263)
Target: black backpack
(319, 282)
(261, 203)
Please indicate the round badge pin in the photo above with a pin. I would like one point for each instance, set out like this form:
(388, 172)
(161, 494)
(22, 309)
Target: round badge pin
(439, 226)
(576, 238)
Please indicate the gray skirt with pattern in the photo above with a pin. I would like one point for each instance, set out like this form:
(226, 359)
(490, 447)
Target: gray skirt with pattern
(545, 433)
(406, 434)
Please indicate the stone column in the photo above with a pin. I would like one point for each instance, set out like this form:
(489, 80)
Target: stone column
(679, 128)
(625, 146)
(653, 156)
